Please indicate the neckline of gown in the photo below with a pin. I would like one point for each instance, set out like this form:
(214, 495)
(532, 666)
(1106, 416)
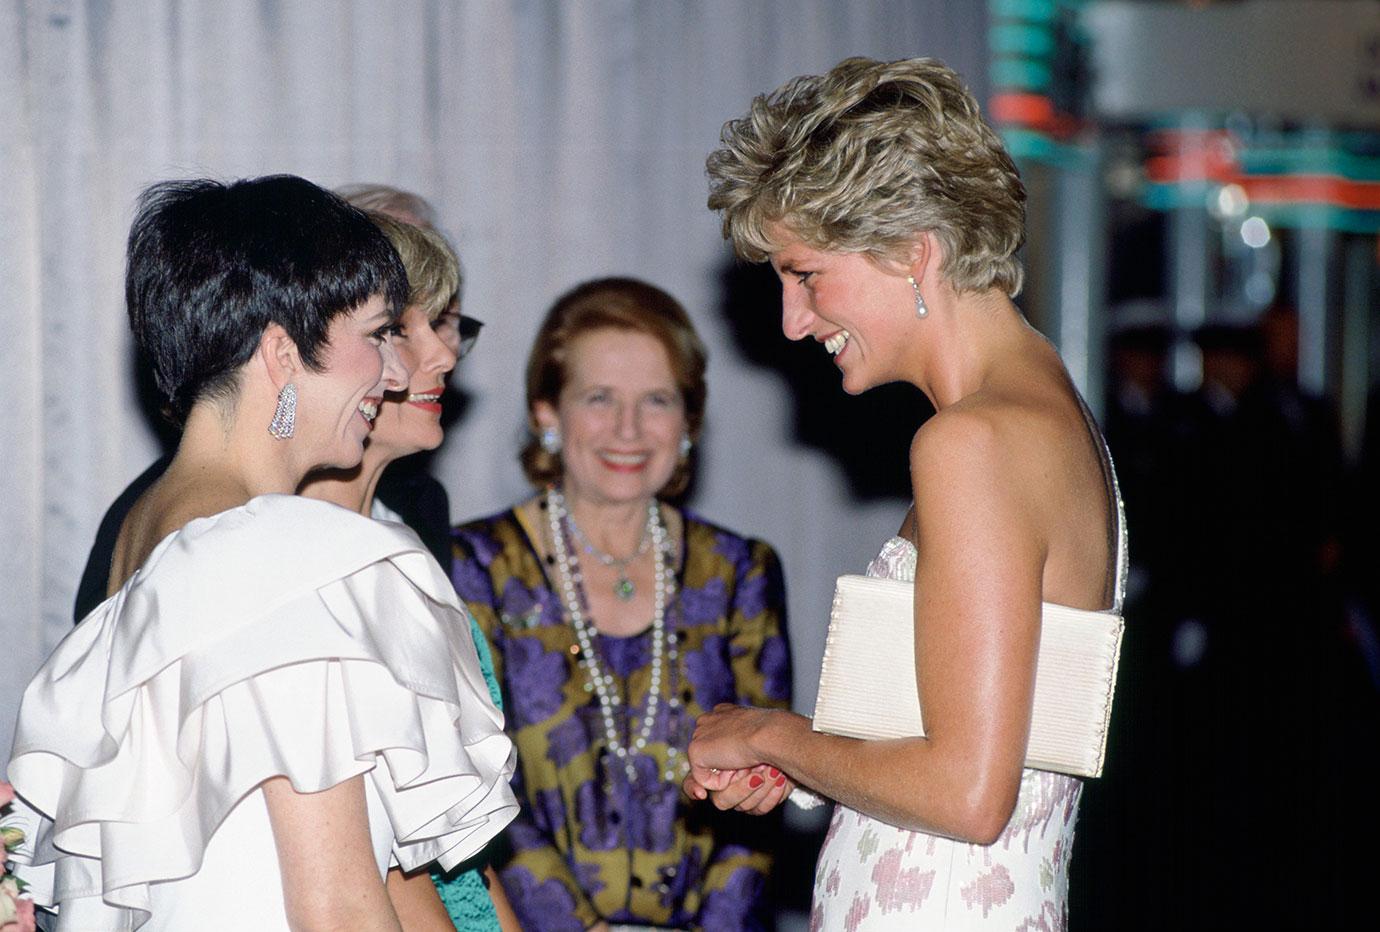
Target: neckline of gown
(898, 539)
(265, 499)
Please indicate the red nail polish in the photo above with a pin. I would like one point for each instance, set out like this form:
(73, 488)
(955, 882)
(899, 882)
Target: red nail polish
(754, 781)
(781, 780)
(774, 772)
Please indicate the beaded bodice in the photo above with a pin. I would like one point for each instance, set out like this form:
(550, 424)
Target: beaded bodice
(895, 561)
(897, 558)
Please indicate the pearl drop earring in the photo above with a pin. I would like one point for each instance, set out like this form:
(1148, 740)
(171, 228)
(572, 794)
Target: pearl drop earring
(920, 309)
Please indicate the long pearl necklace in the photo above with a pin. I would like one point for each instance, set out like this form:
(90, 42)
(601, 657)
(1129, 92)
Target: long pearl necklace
(623, 587)
(602, 681)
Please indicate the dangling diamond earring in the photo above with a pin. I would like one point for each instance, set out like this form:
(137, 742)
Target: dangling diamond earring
(285, 414)
(550, 440)
(920, 309)
(686, 445)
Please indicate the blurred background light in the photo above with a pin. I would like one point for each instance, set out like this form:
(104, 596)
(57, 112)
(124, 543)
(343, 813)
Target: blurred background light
(1255, 232)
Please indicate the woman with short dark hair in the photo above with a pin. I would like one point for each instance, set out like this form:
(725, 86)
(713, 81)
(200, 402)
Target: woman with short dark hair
(280, 699)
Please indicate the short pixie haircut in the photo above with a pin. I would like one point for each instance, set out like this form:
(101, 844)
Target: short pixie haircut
(211, 265)
(613, 304)
(864, 158)
(433, 270)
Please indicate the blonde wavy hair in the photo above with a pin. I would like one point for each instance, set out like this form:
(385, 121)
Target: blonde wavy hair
(433, 271)
(864, 158)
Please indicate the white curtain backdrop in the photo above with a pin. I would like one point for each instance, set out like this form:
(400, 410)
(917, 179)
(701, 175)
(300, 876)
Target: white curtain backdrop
(560, 141)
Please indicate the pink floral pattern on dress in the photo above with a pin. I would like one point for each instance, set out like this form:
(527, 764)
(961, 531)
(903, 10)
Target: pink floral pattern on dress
(899, 888)
(857, 912)
(1050, 919)
(831, 884)
(872, 876)
(988, 890)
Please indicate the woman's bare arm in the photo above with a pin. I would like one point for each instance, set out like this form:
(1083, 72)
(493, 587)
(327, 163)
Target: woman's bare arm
(330, 878)
(507, 916)
(417, 903)
(977, 617)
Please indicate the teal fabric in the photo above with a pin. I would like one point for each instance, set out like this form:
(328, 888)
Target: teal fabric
(462, 890)
(486, 662)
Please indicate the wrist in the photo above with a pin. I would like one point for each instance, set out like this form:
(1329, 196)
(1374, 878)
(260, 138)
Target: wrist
(767, 738)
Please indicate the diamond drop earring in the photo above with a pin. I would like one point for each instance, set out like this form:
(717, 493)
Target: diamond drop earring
(285, 414)
(550, 440)
(920, 309)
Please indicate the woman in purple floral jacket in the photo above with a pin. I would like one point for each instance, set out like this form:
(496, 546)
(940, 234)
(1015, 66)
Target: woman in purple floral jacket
(616, 619)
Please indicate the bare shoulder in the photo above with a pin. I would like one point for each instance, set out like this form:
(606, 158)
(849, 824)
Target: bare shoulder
(173, 501)
(1036, 430)
(969, 431)
(982, 439)
(1030, 461)
(966, 466)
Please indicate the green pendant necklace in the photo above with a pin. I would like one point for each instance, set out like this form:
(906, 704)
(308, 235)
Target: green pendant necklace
(623, 587)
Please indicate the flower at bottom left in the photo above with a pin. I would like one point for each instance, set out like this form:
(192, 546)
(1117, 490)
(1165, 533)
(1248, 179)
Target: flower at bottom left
(16, 910)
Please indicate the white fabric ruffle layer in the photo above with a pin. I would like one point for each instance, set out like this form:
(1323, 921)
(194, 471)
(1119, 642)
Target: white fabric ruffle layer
(285, 637)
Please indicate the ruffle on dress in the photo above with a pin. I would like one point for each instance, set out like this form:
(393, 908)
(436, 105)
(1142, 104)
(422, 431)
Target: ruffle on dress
(285, 637)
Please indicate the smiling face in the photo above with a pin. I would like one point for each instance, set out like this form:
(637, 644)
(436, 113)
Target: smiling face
(856, 308)
(410, 420)
(621, 417)
(336, 406)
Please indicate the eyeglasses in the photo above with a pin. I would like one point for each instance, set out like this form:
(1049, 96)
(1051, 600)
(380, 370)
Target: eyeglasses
(468, 328)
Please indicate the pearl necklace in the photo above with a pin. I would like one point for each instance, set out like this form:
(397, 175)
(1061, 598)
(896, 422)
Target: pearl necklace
(623, 587)
(664, 651)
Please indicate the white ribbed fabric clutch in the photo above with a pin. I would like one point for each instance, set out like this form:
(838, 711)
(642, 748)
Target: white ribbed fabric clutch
(867, 680)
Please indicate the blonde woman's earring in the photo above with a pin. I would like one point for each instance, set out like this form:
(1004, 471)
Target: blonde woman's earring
(686, 445)
(920, 309)
(285, 414)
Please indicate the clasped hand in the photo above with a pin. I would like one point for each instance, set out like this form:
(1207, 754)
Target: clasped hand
(724, 768)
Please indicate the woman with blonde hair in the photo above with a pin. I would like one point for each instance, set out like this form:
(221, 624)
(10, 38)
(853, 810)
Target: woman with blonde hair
(409, 422)
(892, 215)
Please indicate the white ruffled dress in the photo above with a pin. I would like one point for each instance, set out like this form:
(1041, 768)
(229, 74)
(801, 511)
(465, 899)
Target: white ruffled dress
(283, 637)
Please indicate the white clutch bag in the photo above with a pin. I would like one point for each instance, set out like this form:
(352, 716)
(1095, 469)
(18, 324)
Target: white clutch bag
(867, 680)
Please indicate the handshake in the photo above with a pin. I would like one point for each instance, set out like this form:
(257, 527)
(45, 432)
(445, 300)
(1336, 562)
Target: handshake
(723, 737)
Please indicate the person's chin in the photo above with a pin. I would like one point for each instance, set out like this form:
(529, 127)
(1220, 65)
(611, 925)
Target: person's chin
(412, 445)
(634, 486)
(415, 431)
(352, 446)
(853, 383)
(347, 455)
(431, 439)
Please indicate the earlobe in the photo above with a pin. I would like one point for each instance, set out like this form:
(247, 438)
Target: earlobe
(921, 309)
(546, 427)
(278, 352)
(924, 252)
(544, 415)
